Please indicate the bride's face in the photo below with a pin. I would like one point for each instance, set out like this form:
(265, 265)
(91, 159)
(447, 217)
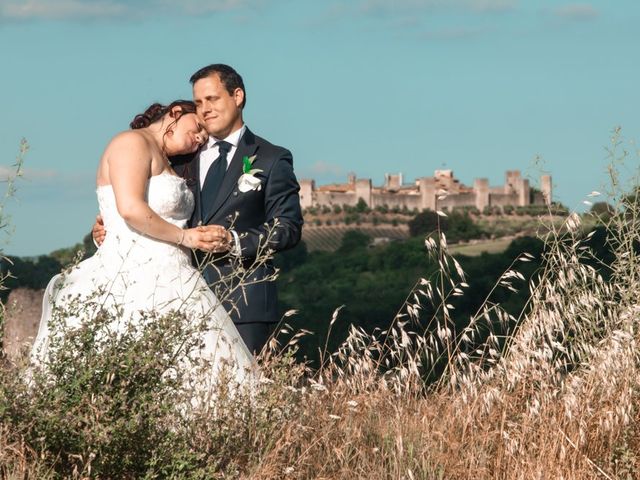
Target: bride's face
(187, 135)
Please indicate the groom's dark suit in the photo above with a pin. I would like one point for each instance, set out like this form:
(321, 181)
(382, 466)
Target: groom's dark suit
(255, 212)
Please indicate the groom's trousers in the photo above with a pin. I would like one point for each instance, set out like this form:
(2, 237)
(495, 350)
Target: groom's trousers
(253, 306)
(255, 334)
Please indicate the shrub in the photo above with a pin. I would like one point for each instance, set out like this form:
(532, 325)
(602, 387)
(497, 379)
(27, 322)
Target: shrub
(603, 211)
(551, 389)
(426, 222)
(361, 206)
(351, 218)
(353, 240)
(491, 210)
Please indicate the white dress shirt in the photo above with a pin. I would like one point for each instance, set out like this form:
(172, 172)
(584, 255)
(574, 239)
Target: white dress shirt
(210, 152)
(208, 155)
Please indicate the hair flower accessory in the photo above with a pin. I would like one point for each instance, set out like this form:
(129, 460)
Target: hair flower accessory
(248, 180)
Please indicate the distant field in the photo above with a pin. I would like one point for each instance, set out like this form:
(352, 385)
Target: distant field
(505, 227)
(329, 238)
(480, 246)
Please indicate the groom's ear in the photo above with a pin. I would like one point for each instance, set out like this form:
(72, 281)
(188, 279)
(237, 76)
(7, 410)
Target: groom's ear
(238, 97)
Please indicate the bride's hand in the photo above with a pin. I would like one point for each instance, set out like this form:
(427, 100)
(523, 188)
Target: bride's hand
(209, 238)
(98, 231)
(221, 238)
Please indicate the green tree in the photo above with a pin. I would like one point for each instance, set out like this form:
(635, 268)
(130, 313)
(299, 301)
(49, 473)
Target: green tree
(292, 258)
(460, 226)
(353, 240)
(425, 223)
(361, 206)
(603, 210)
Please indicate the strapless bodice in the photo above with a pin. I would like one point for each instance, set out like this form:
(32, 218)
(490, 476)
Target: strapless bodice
(169, 197)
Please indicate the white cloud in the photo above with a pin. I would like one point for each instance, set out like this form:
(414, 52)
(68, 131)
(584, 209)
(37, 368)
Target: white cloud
(577, 11)
(39, 174)
(453, 33)
(491, 5)
(22, 10)
(27, 173)
(65, 9)
(322, 168)
(473, 5)
(6, 173)
(196, 7)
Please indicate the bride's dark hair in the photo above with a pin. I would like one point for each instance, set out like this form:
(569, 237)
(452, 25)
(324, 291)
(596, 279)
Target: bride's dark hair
(156, 111)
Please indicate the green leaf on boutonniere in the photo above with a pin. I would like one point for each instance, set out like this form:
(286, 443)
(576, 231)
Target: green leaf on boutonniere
(247, 162)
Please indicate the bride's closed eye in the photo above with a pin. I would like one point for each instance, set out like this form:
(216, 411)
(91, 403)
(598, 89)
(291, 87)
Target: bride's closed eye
(202, 136)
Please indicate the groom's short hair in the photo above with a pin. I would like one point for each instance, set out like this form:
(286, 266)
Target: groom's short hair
(228, 77)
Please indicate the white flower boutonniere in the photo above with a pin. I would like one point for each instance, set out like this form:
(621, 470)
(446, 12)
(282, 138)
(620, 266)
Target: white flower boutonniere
(248, 180)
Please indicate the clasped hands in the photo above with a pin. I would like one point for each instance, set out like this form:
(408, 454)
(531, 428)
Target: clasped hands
(208, 238)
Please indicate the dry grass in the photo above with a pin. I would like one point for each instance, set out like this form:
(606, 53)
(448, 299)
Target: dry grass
(557, 398)
(558, 401)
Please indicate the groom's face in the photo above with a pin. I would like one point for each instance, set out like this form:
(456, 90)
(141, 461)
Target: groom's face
(220, 110)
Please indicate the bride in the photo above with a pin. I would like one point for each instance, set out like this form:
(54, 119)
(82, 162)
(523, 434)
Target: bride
(144, 265)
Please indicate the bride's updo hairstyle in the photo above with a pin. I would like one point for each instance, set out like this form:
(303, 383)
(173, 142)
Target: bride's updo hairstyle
(156, 111)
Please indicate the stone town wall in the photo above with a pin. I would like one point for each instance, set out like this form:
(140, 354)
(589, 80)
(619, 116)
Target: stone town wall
(503, 199)
(335, 198)
(442, 191)
(460, 200)
(399, 200)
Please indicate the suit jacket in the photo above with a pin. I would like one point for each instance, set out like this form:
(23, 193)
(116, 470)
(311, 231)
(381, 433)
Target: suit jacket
(252, 215)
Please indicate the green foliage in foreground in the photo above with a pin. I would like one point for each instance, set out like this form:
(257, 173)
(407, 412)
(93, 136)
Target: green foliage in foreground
(112, 403)
(373, 283)
(561, 399)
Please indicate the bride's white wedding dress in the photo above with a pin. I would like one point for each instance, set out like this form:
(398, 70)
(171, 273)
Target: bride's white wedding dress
(137, 274)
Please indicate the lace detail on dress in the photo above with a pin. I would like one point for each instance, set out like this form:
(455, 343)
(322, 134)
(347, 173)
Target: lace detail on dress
(168, 196)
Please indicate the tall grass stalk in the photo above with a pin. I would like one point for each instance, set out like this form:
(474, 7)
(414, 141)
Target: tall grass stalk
(550, 393)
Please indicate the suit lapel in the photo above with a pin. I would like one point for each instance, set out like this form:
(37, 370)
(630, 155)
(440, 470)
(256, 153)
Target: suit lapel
(246, 147)
(196, 191)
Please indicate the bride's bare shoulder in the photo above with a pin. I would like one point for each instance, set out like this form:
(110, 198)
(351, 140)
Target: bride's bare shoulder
(128, 144)
(129, 139)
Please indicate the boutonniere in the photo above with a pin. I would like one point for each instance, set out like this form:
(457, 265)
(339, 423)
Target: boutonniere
(248, 180)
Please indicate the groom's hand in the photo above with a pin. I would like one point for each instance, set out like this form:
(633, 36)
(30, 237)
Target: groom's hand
(221, 238)
(98, 232)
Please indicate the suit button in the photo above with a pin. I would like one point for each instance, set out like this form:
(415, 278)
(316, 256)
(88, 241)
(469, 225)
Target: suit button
(235, 194)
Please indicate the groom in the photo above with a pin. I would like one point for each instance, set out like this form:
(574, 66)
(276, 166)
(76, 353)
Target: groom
(246, 187)
(252, 207)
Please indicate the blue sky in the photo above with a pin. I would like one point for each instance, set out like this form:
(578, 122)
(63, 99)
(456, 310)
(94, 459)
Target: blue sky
(370, 86)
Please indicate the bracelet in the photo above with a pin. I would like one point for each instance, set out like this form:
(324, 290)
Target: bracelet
(181, 238)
